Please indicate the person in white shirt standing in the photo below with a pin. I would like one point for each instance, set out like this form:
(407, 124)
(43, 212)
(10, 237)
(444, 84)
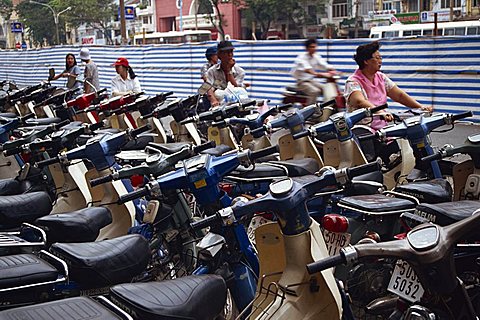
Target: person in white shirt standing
(126, 81)
(305, 71)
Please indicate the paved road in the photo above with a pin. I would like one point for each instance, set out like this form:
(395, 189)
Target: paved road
(455, 137)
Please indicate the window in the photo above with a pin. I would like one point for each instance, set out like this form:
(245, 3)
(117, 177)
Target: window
(426, 5)
(460, 31)
(449, 31)
(471, 31)
(339, 9)
(387, 6)
(412, 5)
(145, 20)
(312, 14)
(446, 3)
(416, 32)
(407, 33)
(204, 7)
(476, 3)
(428, 32)
(375, 35)
(389, 34)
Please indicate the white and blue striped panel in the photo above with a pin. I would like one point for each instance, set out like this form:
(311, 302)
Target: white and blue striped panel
(441, 72)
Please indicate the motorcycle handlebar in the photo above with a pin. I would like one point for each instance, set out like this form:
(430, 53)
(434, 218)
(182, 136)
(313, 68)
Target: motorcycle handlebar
(326, 263)
(258, 130)
(57, 126)
(11, 152)
(96, 126)
(432, 157)
(142, 192)
(367, 136)
(363, 169)
(47, 162)
(302, 134)
(205, 222)
(263, 152)
(204, 146)
(98, 181)
(26, 117)
(136, 132)
(378, 108)
(462, 115)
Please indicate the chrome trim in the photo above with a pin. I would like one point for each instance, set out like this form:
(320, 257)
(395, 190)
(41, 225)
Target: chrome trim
(350, 254)
(116, 308)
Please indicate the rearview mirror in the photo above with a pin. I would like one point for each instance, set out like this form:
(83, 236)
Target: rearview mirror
(51, 73)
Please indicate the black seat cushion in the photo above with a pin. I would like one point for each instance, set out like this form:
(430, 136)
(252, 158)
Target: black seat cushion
(77, 226)
(42, 121)
(16, 209)
(261, 170)
(299, 167)
(218, 150)
(432, 191)
(138, 144)
(77, 308)
(361, 184)
(105, 262)
(9, 187)
(7, 115)
(169, 148)
(191, 297)
(447, 212)
(377, 203)
(22, 269)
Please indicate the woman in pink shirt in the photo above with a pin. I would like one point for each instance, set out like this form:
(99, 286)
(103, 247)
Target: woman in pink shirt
(368, 87)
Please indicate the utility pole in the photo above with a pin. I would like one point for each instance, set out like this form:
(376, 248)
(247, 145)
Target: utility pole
(123, 27)
(357, 5)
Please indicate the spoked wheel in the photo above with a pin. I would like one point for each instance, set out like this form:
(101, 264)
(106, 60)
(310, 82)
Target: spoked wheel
(230, 311)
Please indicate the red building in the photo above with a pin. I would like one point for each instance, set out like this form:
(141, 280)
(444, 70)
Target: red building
(196, 16)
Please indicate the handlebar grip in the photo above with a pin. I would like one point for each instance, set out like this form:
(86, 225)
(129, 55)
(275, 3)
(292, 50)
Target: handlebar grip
(220, 123)
(250, 103)
(11, 152)
(26, 117)
(284, 106)
(135, 132)
(187, 120)
(47, 162)
(57, 126)
(328, 103)
(204, 146)
(363, 169)
(258, 130)
(205, 222)
(263, 152)
(142, 192)
(325, 263)
(97, 181)
(302, 134)
(96, 126)
(432, 157)
(367, 136)
(378, 108)
(462, 115)
(99, 92)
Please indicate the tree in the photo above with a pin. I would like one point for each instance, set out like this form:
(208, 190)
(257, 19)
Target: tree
(6, 8)
(206, 6)
(94, 13)
(39, 21)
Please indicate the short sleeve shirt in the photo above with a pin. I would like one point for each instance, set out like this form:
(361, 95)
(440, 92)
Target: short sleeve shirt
(91, 74)
(371, 91)
(71, 82)
(216, 76)
(205, 68)
(305, 61)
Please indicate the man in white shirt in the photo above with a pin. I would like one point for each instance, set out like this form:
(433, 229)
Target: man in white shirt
(304, 71)
(126, 81)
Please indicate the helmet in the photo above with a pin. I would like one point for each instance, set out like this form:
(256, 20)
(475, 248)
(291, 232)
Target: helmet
(210, 52)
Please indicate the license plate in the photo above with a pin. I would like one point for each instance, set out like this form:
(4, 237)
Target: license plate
(336, 241)
(404, 282)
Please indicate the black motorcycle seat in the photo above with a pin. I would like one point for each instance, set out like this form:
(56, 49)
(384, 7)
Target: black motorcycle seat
(359, 188)
(23, 269)
(9, 187)
(299, 167)
(446, 213)
(261, 170)
(431, 191)
(218, 150)
(76, 308)
(191, 297)
(169, 148)
(42, 121)
(139, 143)
(107, 262)
(16, 209)
(77, 226)
(377, 204)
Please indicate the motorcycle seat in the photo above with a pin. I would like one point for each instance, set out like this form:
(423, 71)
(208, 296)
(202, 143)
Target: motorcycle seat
(191, 297)
(42, 121)
(23, 269)
(431, 191)
(261, 170)
(299, 167)
(218, 150)
(7, 115)
(137, 144)
(77, 226)
(376, 204)
(16, 209)
(66, 309)
(446, 213)
(169, 148)
(9, 187)
(106, 262)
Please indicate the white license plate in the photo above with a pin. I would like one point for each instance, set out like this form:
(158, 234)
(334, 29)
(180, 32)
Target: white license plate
(404, 282)
(335, 241)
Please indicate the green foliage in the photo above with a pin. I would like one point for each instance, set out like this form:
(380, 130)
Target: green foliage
(6, 8)
(39, 20)
(219, 22)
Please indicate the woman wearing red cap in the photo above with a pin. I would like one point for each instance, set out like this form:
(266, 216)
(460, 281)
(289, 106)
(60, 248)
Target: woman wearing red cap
(126, 81)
